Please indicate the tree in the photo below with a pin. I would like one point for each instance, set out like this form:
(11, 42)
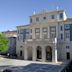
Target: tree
(4, 43)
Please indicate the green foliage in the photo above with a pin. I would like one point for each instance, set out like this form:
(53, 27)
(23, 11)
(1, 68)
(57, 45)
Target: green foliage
(4, 43)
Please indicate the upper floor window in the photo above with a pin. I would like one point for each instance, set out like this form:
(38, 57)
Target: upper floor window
(67, 26)
(37, 19)
(45, 29)
(67, 47)
(37, 30)
(61, 15)
(30, 20)
(61, 36)
(21, 31)
(18, 31)
(52, 28)
(61, 28)
(67, 34)
(52, 17)
(44, 18)
(28, 30)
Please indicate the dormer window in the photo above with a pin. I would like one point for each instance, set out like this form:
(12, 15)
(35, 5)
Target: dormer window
(37, 19)
(61, 15)
(52, 17)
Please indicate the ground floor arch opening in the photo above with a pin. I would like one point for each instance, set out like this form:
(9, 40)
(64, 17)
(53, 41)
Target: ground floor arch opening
(39, 52)
(48, 53)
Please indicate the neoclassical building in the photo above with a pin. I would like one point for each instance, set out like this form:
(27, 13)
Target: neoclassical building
(48, 37)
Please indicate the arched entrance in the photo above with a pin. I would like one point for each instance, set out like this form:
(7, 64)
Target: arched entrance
(39, 52)
(48, 53)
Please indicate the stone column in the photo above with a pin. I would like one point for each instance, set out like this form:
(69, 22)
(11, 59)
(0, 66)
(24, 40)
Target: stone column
(43, 54)
(25, 53)
(54, 54)
(41, 33)
(33, 33)
(34, 55)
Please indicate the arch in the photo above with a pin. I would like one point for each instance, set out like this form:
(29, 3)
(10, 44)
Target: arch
(48, 53)
(39, 52)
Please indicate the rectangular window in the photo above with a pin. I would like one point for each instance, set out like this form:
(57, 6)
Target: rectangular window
(61, 15)
(67, 35)
(67, 26)
(21, 31)
(67, 47)
(61, 36)
(18, 31)
(61, 28)
(37, 30)
(52, 31)
(45, 29)
(68, 55)
(53, 28)
(37, 19)
(52, 17)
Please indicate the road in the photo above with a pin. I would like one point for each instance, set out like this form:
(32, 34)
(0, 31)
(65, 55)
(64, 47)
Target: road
(29, 66)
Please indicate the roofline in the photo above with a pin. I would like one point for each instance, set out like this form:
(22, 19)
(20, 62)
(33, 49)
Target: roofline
(47, 12)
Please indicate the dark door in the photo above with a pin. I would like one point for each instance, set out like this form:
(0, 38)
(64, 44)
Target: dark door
(68, 55)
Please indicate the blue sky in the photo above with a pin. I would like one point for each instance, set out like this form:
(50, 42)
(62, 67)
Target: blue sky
(17, 12)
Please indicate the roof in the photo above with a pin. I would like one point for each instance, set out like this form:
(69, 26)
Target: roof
(68, 19)
(44, 12)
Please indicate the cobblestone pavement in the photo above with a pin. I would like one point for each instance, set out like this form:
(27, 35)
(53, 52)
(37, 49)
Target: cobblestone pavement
(29, 66)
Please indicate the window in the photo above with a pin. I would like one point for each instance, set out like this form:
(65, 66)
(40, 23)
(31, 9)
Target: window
(18, 31)
(21, 31)
(67, 34)
(28, 30)
(61, 15)
(61, 36)
(52, 16)
(21, 46)
(18, 37)
(68, 55)
(44, 18)
(67, 26)
(61, 28)
(37, 30)
(52, 31)
(37, 19)
(21, 53)
(52, 28)
(67, 47)
(30, 20)
(45, 29)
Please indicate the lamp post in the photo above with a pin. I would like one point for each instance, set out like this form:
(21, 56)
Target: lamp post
(55, 50)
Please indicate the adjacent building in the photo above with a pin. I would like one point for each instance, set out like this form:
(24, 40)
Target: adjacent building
(11, 35)
(48, 37)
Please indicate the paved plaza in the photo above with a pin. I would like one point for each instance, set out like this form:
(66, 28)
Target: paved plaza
(29, 66)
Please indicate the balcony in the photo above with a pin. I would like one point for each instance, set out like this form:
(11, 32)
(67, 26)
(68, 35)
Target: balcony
(49, 40)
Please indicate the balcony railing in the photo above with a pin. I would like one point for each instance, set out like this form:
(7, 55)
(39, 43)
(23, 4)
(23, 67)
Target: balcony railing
(51, 40)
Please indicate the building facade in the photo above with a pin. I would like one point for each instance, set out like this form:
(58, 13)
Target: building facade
(11, 35)
(48, 37)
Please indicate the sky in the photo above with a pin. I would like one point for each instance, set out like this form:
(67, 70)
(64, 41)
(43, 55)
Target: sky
(16, 12)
